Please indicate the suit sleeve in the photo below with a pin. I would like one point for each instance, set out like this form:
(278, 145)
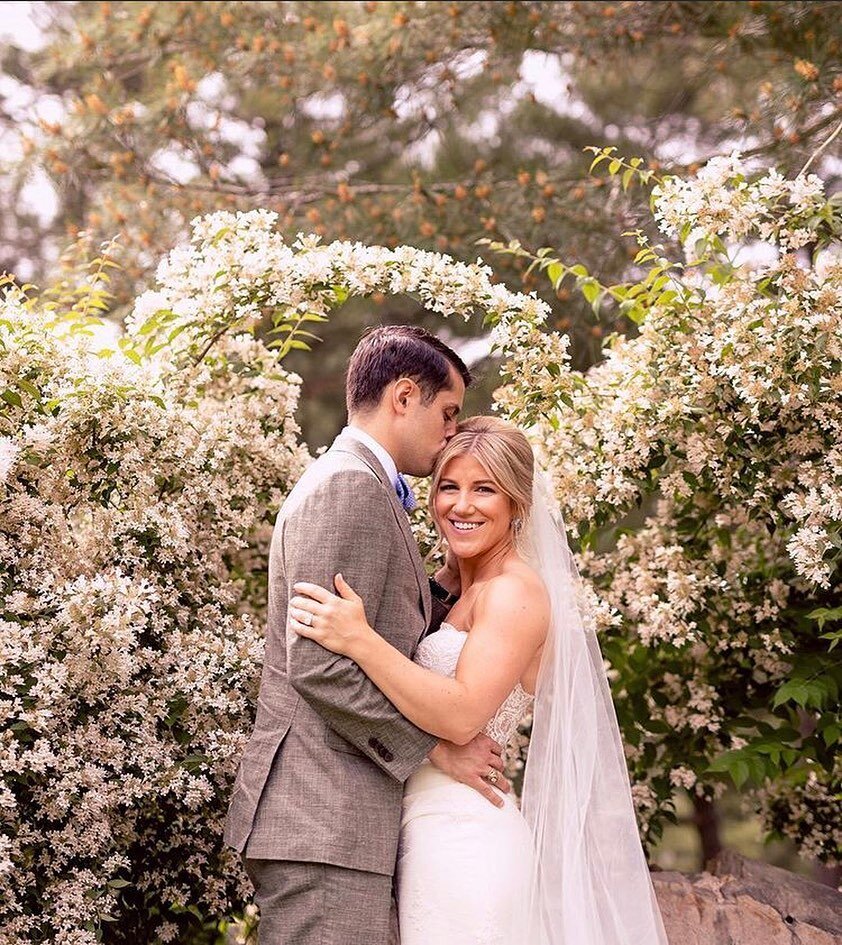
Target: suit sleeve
(335, 529)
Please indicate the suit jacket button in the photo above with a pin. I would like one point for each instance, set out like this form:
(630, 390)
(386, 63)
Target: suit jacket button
(374, 743)
(386, 755)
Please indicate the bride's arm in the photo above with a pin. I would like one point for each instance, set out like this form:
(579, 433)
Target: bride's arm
(509, 625)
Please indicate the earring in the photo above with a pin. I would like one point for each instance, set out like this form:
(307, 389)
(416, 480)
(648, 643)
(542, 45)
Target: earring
(517, 522)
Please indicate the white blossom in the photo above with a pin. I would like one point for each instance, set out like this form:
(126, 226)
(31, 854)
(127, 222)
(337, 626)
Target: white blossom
(8, 453)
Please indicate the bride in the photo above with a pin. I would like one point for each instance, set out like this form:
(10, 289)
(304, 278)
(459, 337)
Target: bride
(568, 867)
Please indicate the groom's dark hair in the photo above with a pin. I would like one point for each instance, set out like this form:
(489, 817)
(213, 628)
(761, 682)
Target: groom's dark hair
(390, 352)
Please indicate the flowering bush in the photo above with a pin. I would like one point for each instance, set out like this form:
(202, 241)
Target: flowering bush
(136, 503)
(700, 466)
(138, 487)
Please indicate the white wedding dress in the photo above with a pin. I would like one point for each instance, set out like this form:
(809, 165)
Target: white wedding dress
(464, 865)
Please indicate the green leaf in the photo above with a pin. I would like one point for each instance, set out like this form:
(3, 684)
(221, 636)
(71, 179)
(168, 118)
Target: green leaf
(794, 690)
(30, 389)
(601, 156)
(12, 397)
(739, 772)
(555, 273)
(590, 289)
(835, 638)
(307, 334)
(825, 615)
(790, 756)
(659, 284)
(192, 762)
(637, 314)
(831, 734)
(644, 255)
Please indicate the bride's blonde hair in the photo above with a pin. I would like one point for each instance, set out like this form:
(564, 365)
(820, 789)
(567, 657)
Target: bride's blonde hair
(503, 451)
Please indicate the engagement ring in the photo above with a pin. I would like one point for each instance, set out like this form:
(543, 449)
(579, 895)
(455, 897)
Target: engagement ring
(492, 776)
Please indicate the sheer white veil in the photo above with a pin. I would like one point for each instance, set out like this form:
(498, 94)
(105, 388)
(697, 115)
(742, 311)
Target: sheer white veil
(590, 882)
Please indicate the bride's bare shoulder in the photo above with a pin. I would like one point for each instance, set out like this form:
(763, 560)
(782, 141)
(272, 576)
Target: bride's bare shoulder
(517, 592)
(526, 578)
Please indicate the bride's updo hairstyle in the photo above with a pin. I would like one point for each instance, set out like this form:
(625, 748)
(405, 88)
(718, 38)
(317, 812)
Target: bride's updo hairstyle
(504, 452)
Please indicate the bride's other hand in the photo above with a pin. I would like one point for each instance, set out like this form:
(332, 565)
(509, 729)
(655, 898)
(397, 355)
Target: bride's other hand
(472, 763)
(338, 623)
(448, 575)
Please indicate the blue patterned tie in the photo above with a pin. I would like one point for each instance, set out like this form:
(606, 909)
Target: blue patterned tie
(405, 494)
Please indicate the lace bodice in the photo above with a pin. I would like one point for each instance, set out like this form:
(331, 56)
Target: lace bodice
(439, 652)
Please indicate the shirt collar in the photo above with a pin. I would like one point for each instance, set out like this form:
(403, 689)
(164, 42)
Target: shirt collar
(379, 451)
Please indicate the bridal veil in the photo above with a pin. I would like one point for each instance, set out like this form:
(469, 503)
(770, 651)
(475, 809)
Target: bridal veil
(590, 882)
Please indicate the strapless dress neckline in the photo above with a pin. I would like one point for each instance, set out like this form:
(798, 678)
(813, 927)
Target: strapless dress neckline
(440, 653)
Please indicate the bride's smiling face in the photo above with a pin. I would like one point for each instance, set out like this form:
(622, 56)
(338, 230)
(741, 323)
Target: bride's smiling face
(474, 514)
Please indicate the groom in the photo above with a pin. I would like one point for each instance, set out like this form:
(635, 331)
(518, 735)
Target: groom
(317, 800)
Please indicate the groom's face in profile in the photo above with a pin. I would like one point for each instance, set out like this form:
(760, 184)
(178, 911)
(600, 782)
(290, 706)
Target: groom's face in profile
(430, 425)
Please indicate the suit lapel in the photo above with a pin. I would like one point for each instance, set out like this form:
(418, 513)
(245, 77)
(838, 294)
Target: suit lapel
(349, 444)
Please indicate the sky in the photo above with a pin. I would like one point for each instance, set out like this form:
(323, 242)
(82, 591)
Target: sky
(17, 22)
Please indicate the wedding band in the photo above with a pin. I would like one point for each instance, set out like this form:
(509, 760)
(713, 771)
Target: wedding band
(306, 618)
(492, 776)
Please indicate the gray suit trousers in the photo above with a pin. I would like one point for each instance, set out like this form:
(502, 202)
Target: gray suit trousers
(319, 904)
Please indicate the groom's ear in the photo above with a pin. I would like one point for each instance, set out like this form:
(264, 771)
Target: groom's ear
(402, 393)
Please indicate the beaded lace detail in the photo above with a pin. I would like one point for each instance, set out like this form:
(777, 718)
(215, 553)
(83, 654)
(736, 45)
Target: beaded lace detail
(439, 652)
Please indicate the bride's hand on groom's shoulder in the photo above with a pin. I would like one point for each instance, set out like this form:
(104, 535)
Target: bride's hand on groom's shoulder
(337, 623)
(472, 763)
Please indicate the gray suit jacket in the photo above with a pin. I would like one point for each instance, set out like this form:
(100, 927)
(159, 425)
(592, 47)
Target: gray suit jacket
(322, 777)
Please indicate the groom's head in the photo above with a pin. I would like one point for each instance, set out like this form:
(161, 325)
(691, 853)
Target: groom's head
(405, 387)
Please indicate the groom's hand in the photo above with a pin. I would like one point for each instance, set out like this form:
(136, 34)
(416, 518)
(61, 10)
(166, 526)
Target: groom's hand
(471, 763)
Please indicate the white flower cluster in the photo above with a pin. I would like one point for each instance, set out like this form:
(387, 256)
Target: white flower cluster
(135, 508)
(816, 507)
(806, 811)
(701, 463)
(735, 397)
(238, 269)
(721, 202)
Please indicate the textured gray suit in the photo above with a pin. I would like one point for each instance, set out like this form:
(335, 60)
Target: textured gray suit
(321, 779)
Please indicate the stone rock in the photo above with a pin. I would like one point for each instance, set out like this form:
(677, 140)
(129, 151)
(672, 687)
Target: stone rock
(743, 902)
